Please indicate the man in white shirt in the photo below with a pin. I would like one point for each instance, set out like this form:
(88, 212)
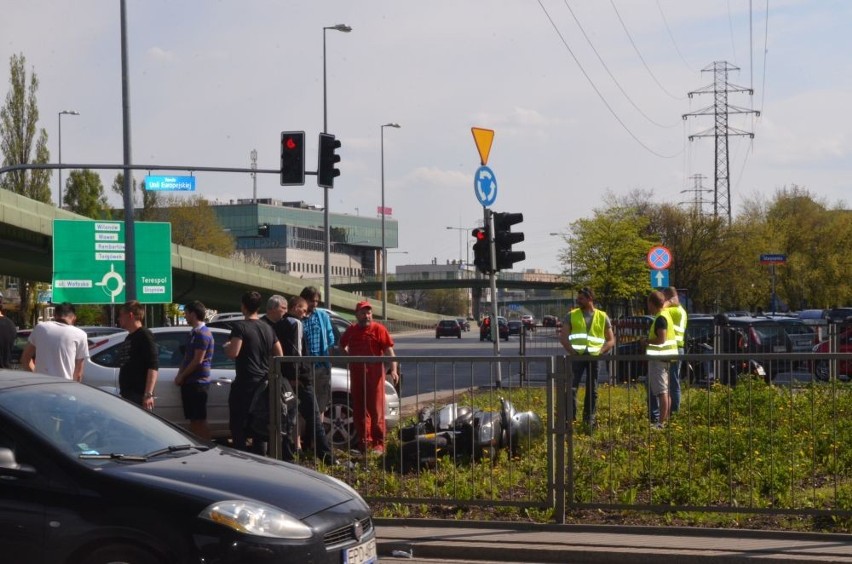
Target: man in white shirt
(57, 347)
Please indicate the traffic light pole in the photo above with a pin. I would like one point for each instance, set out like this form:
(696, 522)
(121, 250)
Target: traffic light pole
(495, 324)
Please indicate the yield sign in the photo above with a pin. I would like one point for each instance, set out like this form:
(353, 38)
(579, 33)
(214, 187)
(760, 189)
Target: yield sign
(659, 258)
(483, 139)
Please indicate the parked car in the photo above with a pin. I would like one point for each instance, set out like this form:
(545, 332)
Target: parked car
(844, 367)
(485, 329)
(95, 334)
(114, 483)
(101, 371)
(515, 326)
(448, 328)
(463, 323)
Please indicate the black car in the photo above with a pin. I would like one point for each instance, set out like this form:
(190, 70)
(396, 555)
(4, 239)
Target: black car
(463, 323)
(448, 328)
(515, 326)
(88, 478)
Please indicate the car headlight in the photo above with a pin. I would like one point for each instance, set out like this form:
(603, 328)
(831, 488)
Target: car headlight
(258, 519)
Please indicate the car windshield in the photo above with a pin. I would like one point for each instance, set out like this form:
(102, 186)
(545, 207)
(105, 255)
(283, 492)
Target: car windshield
(91, 425)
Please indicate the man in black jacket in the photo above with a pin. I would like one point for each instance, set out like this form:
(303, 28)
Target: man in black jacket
(286, 322)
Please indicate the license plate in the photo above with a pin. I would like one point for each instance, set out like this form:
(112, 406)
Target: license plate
(364, 553)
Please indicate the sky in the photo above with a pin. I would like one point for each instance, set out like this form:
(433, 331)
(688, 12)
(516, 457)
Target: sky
(586, 99)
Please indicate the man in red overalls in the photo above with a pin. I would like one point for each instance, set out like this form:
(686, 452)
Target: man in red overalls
(367, 380)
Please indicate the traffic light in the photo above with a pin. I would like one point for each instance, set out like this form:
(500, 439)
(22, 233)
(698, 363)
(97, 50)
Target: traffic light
(481, 250)
(292, 158)
(328, 159)
(504, 239)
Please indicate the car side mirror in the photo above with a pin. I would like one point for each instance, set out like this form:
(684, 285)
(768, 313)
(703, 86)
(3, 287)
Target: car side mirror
(9, 465)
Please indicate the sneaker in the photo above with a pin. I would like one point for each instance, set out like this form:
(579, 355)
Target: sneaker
(657, 426)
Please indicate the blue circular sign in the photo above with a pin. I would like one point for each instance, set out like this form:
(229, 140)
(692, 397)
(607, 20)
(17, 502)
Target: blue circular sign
(485, 186)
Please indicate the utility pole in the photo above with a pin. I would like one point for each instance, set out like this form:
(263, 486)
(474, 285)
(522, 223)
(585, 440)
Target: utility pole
(698, 191)
(720, 110)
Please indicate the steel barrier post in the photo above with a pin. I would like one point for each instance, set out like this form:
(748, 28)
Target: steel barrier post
(274, 446)
(559, 380)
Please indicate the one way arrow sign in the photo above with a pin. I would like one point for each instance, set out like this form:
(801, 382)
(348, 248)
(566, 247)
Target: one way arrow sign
(659, 278)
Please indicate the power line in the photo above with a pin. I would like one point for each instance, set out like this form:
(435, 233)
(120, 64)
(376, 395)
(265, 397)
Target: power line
(639, 54)
(671, 36)
(595, 88)
(606, 68)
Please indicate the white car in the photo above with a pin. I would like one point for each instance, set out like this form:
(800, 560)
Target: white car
(101, 371)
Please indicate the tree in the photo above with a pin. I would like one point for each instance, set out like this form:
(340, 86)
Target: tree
(150, 200)
(448, 301)
(18, 119)
(194, 225)
(84, 194)
(608, 254)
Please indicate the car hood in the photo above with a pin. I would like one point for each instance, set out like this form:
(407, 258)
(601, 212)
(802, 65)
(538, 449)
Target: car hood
(223, 473)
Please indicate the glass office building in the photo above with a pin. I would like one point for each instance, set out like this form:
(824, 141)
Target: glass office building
(289, 236)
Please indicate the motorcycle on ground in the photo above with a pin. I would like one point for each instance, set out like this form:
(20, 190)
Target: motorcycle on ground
(466, 434)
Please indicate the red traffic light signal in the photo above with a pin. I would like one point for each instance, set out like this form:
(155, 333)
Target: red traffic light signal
(481, 250)
(292, 158)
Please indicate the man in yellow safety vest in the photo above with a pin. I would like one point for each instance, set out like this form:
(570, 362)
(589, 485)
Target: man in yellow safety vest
(586, 332)
(660, 344)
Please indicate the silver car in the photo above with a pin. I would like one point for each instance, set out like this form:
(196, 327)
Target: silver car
(101, 371)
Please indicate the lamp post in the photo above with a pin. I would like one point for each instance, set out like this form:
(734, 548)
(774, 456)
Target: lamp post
(326, 227)
(253, 176)
(461, 231)
(570, 242)
(384, 248)
(59, 137)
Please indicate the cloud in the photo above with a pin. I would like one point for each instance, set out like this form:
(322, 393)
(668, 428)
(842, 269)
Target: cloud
(160, 54)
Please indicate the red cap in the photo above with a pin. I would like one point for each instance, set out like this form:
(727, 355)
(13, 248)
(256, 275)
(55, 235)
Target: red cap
(362, 305)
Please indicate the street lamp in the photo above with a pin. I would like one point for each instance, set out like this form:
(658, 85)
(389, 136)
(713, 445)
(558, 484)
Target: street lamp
(461, 231)
(63, 113)
(326, 227)
(570, 242)
(384, 249)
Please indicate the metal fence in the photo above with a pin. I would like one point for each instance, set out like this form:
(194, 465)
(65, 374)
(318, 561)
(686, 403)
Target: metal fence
(746, 445)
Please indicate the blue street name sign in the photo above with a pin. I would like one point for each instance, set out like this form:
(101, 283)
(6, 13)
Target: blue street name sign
(659, 278)
(773, 259)
(170, 183)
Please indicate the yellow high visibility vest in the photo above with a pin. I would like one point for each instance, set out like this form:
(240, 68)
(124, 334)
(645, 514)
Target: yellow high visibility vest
(669, 346)
(591, 341)
(678, 315)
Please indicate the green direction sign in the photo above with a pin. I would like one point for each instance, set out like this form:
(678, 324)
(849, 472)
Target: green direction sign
(88, 262)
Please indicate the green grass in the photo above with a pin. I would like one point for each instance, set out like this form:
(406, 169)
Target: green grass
(734, 453)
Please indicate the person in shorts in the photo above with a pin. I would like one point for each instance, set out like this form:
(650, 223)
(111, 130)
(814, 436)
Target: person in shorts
(660, 345)
(194, 374)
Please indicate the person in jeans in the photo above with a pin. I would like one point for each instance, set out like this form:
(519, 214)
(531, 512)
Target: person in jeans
(320, 338)
(252, 344)
(139, 361)
(194, 374)
(288, 329)
(586, 334)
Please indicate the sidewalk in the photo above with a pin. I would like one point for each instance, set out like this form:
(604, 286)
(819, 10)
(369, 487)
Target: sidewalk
(451, 541)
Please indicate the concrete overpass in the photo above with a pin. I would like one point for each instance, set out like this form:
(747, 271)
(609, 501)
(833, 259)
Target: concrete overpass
(26, 250)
